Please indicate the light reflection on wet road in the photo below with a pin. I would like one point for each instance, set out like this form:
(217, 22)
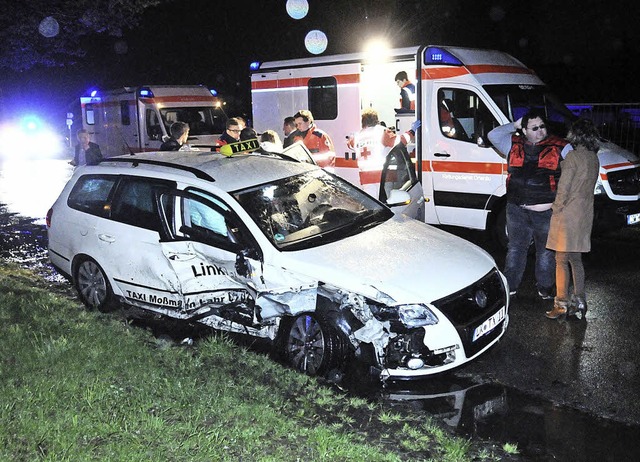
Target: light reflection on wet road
(30, 186)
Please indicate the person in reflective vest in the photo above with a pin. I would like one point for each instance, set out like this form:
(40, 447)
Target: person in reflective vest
(407, 93)
(316, 140)
(372, 144)
(533, 160)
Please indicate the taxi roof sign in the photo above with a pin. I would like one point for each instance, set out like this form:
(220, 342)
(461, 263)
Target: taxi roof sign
(241, 146)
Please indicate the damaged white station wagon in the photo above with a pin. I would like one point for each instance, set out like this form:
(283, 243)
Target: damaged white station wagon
(280, 250)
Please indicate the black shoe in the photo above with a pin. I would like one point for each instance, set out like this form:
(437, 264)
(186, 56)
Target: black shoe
(545, 294)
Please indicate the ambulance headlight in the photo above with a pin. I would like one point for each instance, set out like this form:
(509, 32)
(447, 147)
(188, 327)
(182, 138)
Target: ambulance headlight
(416, 315)
(599, 189)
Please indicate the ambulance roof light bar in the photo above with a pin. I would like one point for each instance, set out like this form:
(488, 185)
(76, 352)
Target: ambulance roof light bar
(145, 92)
(254, 66)
(439, 56)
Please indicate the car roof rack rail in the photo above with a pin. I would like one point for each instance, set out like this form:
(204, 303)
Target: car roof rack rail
(135, 162)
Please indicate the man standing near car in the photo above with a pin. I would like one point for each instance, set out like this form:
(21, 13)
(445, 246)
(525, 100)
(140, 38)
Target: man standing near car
(232, 132)
(533, 160)
(86, 152)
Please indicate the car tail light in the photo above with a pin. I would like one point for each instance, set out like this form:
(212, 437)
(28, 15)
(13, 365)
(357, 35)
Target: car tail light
(48, 219)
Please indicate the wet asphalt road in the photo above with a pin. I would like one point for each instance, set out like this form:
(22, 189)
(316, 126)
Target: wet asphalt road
(590, 364)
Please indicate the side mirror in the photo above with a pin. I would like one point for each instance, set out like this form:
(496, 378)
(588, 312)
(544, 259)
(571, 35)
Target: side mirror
(398, 197)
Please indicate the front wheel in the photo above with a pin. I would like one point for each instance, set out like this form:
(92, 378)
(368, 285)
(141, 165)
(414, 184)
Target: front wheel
(312, 345)
(93, 286)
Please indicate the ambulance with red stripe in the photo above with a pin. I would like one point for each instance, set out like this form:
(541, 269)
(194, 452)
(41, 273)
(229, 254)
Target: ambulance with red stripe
(453, 175)
(136, 119)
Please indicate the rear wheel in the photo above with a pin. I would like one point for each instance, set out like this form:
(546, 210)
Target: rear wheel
(312, 345)
(93, 286)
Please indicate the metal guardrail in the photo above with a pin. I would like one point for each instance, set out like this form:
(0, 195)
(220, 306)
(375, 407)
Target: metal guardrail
(617, 122)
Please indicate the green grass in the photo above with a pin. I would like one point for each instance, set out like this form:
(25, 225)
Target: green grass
(81, 386)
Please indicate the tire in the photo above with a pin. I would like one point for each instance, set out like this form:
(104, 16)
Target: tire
(312, 345)
(93, 286)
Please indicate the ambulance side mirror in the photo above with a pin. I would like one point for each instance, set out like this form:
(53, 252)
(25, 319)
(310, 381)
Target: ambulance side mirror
(482, 143)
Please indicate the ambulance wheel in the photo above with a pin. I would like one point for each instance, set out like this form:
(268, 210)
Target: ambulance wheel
(312, 345)
(93, 286)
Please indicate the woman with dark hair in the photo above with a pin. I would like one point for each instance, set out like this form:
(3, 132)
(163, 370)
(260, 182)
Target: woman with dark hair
(572, 218)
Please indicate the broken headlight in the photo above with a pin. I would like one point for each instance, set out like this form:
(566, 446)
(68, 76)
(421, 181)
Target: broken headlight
(416, 315)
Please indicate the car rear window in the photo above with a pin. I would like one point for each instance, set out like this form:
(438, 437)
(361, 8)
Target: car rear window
(91, 194)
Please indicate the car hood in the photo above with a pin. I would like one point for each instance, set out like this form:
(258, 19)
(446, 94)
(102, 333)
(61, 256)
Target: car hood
(403, 258)
(612, 155)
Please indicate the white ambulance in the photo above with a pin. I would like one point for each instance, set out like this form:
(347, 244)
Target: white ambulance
(136, 119)
(462, 93)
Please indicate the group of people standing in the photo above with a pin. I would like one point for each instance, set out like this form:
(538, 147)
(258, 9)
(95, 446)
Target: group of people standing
(550, 186)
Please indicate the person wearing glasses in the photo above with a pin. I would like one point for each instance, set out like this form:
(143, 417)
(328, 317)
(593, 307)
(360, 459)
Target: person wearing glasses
(232, 132)
(533, 170)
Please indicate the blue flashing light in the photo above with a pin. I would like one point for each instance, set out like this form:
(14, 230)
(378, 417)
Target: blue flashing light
(254, 66)
(213, 91)
(145, 92)
(93, 93)
(436, 55)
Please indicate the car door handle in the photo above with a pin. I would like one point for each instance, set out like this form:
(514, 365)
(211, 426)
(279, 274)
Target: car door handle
(181, 256)
(106, 238)
(441, 154)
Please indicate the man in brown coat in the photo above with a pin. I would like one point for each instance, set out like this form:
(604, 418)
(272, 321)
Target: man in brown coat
(572, 218)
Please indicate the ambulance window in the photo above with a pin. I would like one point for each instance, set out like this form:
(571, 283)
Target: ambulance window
(323, 98)
(463, 115)
(89, 114)
(153, 125)
(125, 115)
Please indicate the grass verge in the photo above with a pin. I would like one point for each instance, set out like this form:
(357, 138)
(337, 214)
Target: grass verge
(79, 385)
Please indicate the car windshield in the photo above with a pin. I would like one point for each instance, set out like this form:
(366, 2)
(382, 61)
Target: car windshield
(201, 120)
(311, 209)
(516, 100)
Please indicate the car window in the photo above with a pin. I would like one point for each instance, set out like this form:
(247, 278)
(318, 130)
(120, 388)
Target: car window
(135, 201)
(91, 194)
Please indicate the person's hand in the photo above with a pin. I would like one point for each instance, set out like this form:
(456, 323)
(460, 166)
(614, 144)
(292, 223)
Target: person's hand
(415, 126)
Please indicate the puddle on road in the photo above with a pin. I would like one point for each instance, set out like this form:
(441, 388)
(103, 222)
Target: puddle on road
(489, 411)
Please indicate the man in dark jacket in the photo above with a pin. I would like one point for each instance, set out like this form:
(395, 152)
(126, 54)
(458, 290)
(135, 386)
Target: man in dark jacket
(86, 153)
(533, 160)
(179, 134)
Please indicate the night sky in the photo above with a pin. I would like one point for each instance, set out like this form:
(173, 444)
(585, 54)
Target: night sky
(586, 50)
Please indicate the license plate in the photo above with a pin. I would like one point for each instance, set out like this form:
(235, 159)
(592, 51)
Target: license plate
(489, 324)
(633, 219)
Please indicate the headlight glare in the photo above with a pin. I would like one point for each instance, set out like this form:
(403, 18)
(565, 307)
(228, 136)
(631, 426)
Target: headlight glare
(416, 315)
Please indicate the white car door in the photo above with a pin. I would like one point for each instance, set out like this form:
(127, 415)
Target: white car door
(224, 281)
